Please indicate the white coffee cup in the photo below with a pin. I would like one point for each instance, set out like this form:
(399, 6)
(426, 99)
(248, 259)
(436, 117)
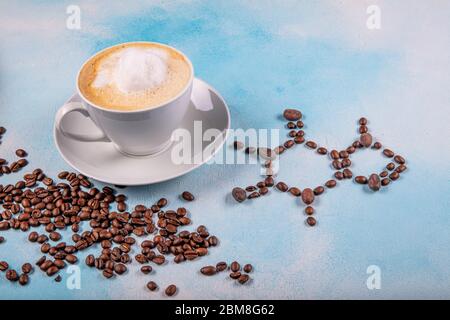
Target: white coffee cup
(140, 132)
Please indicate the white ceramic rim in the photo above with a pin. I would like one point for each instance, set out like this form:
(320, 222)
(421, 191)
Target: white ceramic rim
(194, 166)
(189, 83)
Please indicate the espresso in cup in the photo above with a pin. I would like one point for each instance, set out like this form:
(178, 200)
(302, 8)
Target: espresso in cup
(134, 76)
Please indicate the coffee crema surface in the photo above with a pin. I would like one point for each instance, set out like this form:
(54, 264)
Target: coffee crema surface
(134, 76)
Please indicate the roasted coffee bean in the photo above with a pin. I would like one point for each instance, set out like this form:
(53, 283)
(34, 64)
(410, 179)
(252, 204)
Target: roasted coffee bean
(250, 150)
(21, 153)
(283, 187)
(2, 239)
(292, 114)
(51, 271)
(361, 179)
(269, 182)
(235, 266)
(350, 150)
(70, 258)
(330, 184)
(2, 130)
(346, 163)
(208, 270)
(4, 225)
(27, 268)
(363, 129)
(248, 268)
(334, 154)
(289, 144)
(362, 121)
(385, 182)
(90, 260)
(299, 140)
(250, 188)
(152, 286)
(295, 191)
(322, 150)
(171, 290)
(399, 159)
(384, 174)
(263, 191)
(374, 182)
(291, 125)
(4, 265)
(162, 202)
(253, 195)
(54, 236)
(311, 144)
(108, 273)
(394, 175)
(221, 266)
(390, 166)
(343, 154)
(347, 173)
(243, 278)
(238, 145)
(159, 259)
(311, 221)
(146, 269)
(388, 153)
(299, 124)
(40, 261)
(336, 164)
(400, 168)
(319, 190)
(140, 258)
(12, 275)
(308, 196)
(23, 279)
(235, 275)
(377, 145)
(309, 210)
(239, 194)
(58, 278)
(366, 139)
(292, 133)
(120, 268)
(186, 195)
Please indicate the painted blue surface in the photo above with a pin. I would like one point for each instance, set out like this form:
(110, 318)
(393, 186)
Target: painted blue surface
(263, 56)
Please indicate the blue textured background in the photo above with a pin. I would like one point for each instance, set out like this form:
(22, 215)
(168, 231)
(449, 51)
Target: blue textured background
(263, 56)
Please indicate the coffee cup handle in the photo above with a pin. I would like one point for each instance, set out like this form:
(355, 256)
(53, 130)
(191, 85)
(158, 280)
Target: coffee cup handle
(77, 107)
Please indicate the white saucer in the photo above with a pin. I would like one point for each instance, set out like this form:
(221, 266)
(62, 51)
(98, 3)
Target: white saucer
(103, 162)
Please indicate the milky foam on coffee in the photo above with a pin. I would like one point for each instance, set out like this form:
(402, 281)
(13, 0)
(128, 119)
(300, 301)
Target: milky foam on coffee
(134, 76)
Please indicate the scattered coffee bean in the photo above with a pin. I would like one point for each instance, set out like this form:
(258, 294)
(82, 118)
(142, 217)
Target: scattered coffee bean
(322, 150)
(291, 125)
(309, 210)
(400, 168)
(253, 195)
(208, 270)
(221, 266)
(4, 265)
(152, 286)
(21, 153)
(363, 129)
(311, 144)
(235, 275)
(239, 194)
(385, 182)
(362, 121)
(171, 290)
(12, 275)
(2, 239)
(366, 139)
(248, 268)
(377, 146)
(311, 221)
(243, 278)
(308, 196)
(295, 191)
(23, 279)
(394, 175)
(383, 174)
(318, 190)
(374, 182)
(348, 174)
(27, 268)
(58, 278)
(330, 184)
(399, 159)
(186, 195)
(292, 114)
(388, 153)
(361, 179)
(235, 266)
(390, 166)
(146, 269)
(283, 187)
